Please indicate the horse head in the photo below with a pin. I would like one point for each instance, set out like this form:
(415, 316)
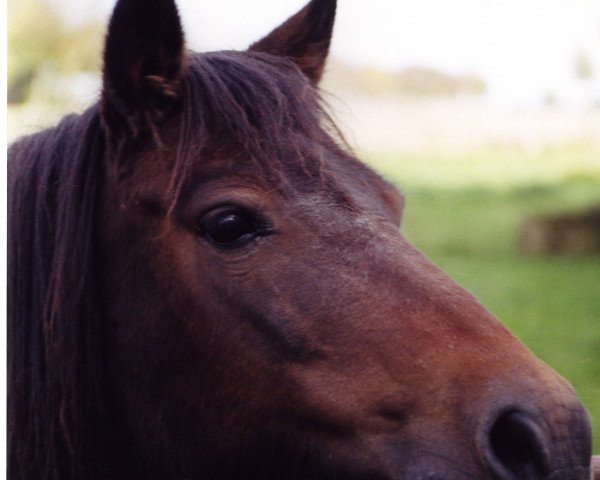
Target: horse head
(263, 317)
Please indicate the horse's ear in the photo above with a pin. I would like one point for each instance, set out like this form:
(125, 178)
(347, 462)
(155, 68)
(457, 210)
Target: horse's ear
(144, 59)
(304, 37)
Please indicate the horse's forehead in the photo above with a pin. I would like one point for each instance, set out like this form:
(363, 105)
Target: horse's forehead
(303, 176)
(316, 180)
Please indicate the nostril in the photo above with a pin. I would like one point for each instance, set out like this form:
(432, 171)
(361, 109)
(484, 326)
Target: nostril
(517, 448)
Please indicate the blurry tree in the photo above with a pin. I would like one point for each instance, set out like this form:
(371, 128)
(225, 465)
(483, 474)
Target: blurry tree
(412, 81)
(583, 67)
(423, 81)
(373, 81)
(550, 99)
(39, 39)
(584, 72)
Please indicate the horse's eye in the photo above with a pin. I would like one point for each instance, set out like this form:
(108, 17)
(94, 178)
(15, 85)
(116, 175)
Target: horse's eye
(231, 227)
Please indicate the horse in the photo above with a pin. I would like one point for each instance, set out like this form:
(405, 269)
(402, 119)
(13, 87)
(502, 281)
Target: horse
(206, 283)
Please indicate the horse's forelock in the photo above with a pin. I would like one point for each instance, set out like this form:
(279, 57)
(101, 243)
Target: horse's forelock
(259, 103)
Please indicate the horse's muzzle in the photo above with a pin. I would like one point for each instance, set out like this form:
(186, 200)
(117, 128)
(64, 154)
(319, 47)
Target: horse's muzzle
(520, 444)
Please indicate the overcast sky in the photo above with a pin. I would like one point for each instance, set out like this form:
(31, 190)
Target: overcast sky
(524, 49)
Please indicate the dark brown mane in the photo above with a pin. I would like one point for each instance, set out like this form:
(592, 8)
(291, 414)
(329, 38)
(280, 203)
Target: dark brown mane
(54, 329)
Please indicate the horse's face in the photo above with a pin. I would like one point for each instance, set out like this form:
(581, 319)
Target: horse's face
(266, 317)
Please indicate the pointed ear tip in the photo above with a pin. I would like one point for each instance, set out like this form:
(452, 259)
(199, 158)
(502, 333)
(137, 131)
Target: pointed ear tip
(332, 4)
(137, 22)
(324, 6)
(140, 12)
(325, 3)
(323, 12)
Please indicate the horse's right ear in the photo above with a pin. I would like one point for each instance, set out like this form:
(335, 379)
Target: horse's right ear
(144, 60)
(304, 38)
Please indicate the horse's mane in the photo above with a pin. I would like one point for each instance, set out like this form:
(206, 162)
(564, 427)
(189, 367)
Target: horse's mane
(54, 378)
(56, 391)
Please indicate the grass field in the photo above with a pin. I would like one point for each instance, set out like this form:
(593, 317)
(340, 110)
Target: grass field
(464, 214)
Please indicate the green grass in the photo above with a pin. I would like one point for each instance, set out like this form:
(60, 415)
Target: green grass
(469, 226)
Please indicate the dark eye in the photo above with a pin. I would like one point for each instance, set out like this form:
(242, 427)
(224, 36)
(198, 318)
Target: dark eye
(231, 227)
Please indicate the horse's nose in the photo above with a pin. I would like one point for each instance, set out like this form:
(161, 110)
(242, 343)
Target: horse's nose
(518, 445)
(518, 448)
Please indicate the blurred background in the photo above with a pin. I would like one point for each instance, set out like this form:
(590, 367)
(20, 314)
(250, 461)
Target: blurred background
(486, 113)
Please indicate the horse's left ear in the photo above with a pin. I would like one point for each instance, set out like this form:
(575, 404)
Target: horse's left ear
(304, 37)
(143, 64)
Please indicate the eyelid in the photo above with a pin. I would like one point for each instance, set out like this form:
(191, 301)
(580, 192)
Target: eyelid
(211, 196)
(226, 207)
